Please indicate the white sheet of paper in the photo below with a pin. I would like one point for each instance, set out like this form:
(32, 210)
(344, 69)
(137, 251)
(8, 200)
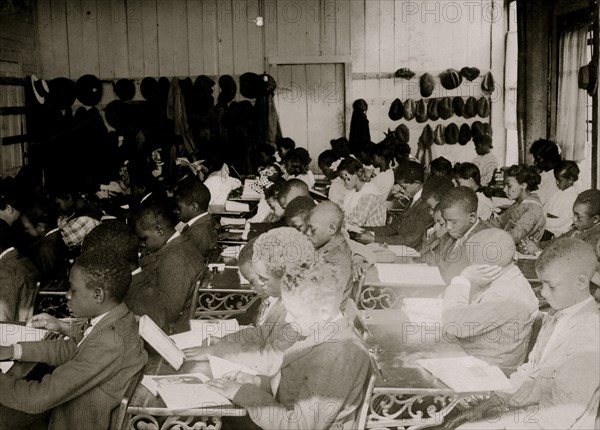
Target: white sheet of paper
(231, 251)
(467, 374)
(162, 343)
(232, 221)
(152, 382)
(201, 329)
(220, 366)
(6, 365)
(409, 274)
(191, 396)
(426, 311)
(15, 333)
(404, 251)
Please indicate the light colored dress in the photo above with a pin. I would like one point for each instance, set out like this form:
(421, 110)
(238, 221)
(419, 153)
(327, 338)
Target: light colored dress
(522, 220)
(365, 207)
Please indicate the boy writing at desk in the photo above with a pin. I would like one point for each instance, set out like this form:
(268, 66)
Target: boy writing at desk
(558, 387)
(93, 366)
(321, 378)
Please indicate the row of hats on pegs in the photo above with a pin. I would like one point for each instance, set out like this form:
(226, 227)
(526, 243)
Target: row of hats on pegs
(436, 108)
(450, 134)
(449, 78)
(62, 92)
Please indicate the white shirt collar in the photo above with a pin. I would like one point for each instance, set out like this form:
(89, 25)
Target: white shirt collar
(6, 251)
(93, 322)
(416, 196)
(573, 309)
(51, 231)
(145, 197)
(175, 235)
(196, 218)
(338, 317)
(136, 271)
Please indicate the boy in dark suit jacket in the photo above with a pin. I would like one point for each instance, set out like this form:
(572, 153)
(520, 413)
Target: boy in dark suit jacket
(322, 376)
(192, 199)
(94, 364)
(172, 265)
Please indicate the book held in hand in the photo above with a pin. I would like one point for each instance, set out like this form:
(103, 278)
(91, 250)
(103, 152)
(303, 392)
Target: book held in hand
(162, 343)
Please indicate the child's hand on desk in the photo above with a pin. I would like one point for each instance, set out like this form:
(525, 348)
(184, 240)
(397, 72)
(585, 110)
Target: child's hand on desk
(49, 323)
(6, 353)
(359, 266)
(231, 382)
(481, 274)
(196, 353)
(529, 246)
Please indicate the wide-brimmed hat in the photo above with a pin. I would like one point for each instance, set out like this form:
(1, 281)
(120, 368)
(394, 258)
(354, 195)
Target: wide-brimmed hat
(250, 85)
(469, 109)
(439, 135)
(457, 105)
(450, 79)
(89, 90)
(426, 85)
(396, 111)
(432, 110)
(62, 93)
(488, 84)
(483, 107)
(409, 109)
(403, 133)
(40, 88)
(149, 88)
(404, 73)
(421, 111)
(587, 78)
(451, 134)
(445, 108)
(464, 134)
(477, 129)
(124, 89)
(470, 73)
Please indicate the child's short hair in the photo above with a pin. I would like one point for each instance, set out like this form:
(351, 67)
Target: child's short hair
(384, 150)
(441, 166)
(467, 171)
(282, 248)
(550, 154)
(409, 172)
(295, 163)
(571, 253)
(463, 197)
(353, 167)
(300, 206)
(436, 187)
(293, 186)
(314, 284)
(304, 155)
(285, 143)
(247, 252)
(567, 169)
(590, 198)
(483, 140)
(401, 151)
(105, 270)
(194, 191)
(272, 190)
(114, 237)
(340, 147)
(154, 214)
(41, 212)
(327, 158)
(538, 145)
(529, 175)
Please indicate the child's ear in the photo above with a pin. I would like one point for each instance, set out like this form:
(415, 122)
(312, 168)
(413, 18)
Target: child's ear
(99, 295)
(596, 219)
(195, 207)
(583, 282)
(159, 229)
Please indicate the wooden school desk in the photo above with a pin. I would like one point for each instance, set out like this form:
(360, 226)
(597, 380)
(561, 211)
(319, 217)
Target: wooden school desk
(221, 295)
(404, 395)
(143, 410)
(375, 294)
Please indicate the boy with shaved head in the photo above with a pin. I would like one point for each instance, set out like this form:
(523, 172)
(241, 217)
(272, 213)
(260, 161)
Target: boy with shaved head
(291, 189)
(490, 306)
(325, 232)
(558, 387)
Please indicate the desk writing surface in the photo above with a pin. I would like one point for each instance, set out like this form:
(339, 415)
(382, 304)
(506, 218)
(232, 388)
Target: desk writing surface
(404, 288)
(228, 279)
(399, 343)
(13, 332)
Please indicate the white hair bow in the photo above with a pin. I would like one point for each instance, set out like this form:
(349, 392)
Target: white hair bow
(336, 164)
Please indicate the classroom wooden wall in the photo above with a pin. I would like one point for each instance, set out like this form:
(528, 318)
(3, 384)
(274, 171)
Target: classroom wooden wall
(133, 38)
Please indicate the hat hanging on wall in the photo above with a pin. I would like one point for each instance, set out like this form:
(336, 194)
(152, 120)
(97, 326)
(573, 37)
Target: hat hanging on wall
(432, 110)
(470, 73)
(89, 90)
(421, 111)
(487, 84)
(477, 129)
(396, 111)
(445, 108)
(451, 134)
(403, 133)
(404, 73)
(149, 88)
(250, 85)
(427, 136)
(587, 79)
(483, 107)
(438, 135)
(228, 89)
(40, 88)
(427, 85)
(464, 134)
(458, 104)
(124, 89)
(409, 109)
(62, 93)
(487, 129)
(451, 79)
(469, 108)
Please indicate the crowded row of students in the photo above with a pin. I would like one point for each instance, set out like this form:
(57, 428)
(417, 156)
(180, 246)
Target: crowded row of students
(302, 261)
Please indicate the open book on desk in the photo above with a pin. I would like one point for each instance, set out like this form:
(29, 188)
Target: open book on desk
(11, 334)
(409, 274)
(188, 391)
(467, 374)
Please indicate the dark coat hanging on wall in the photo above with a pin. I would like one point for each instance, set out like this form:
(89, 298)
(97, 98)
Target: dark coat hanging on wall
(359, 125)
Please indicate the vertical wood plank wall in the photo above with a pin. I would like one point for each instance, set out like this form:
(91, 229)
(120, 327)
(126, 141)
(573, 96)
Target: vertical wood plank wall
(135, 38)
